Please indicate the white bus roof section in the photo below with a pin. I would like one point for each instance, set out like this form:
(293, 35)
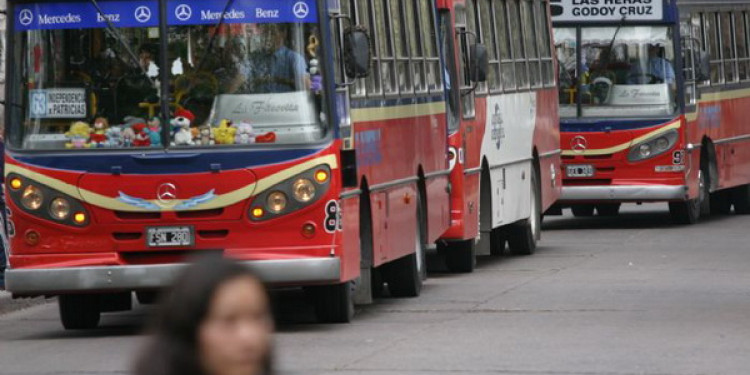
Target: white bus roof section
(606, 10)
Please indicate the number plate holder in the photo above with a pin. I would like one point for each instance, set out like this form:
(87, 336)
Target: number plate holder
(176, 236)
(579, 170)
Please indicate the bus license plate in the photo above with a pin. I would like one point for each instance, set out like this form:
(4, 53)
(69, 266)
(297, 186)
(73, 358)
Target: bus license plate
(579, 170)
(169, 236)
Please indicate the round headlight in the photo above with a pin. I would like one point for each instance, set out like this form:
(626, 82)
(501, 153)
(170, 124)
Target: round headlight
(662, 143)
(304, 190)
(645, 150)
(276, 202)
(59, 208)
(32, 198)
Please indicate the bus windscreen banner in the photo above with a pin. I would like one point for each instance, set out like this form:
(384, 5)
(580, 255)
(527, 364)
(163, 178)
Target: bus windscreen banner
(606, 10)
(85, 15)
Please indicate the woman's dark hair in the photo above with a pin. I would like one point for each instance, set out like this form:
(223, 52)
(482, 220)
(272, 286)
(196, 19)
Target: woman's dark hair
(173, 349)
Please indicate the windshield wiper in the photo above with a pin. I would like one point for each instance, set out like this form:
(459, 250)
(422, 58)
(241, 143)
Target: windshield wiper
(211, 42)
(118, 35)
(611, 45)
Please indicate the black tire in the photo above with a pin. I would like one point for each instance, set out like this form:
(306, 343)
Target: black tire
(333, 303)
(147, 297)
(79, 311)
(741, 199)
(721, 202)
(689, 212)
(405, 275)
(523, 235)
(460, 256)
(583, 210)
(497, 242)
(608, 209)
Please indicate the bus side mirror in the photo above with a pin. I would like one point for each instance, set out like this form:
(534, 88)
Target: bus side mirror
(356, 52)
(478, 63)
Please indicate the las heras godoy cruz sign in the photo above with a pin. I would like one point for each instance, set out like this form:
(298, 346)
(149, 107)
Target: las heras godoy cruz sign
(606, 10)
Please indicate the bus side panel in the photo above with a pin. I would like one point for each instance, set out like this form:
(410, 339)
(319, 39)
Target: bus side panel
(547, 143)
(438, 209)
(350, 240)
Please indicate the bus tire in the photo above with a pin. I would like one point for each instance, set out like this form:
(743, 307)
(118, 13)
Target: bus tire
(688, 212)
(721, 202)
(497, 242)
(460, 256)
(523, 236)
(741, 199)
(582, 210)
(147, 297)
(333, 303)
(608, 209)
(79, 311)
(405, 275)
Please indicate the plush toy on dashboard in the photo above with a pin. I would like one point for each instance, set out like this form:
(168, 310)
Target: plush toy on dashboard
(269, 137)
(79, 135)
(225, 132)
(205, 135)
(128, 136)
(154, 131)
(99, 133)
(182, 121)
(142, 138)
(245, 134)
(114, 137)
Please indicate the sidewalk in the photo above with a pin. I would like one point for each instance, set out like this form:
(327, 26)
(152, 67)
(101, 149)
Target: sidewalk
(8, 304)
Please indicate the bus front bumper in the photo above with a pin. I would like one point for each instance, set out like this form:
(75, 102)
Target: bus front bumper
(50, 281)
(624, 193)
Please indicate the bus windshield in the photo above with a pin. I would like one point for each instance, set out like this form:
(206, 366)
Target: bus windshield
(90, 74)
(625, 71)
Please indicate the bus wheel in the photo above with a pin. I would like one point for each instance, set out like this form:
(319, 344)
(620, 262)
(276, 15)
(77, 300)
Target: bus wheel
(333, 303)
(79, 311)
(688, 212)
(609, 209)
(721, 202)
(405, 275)
(741, 199)
(522, 236)
(583, 210)
(460, 256)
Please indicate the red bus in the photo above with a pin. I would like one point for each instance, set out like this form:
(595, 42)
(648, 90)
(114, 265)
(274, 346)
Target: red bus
(503, 125)
(652, 98)
(140, 133)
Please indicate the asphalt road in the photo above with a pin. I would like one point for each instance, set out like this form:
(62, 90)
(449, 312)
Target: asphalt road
(627, 295)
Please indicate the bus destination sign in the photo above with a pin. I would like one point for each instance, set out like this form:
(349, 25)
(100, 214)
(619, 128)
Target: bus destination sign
(606, 10)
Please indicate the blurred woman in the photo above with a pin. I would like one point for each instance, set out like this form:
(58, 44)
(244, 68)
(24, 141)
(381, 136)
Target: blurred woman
(215, 321)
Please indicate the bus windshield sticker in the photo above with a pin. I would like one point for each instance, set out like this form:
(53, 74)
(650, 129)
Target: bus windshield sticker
(84, 15)
(203, 12)
(606, 10)
(58, 103)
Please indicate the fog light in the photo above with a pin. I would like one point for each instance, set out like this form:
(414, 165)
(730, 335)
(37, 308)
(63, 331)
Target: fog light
(59, 209)
(304, 190)
(276, 202)
(308, 230)
(321, 176)
(79, 218)
(32, 237)
(16, 183)
(32, 198)
(257, 212)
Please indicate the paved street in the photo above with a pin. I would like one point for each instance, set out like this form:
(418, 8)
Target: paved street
(627, 295)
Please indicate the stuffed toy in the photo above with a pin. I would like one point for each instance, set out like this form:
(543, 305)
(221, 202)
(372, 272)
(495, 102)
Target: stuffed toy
(154, 131)
(245, 134)
(269, 137)
(182, 121)
(99, 133)
(79, 135)
(142, 139)
(205, 135)
(128, 136)
(225, 133)
(114, 137)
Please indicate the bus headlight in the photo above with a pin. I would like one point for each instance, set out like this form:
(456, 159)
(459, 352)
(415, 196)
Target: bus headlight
(276, 202)
(59, 208)
(304, 190)
(654, 146)
(32, 198)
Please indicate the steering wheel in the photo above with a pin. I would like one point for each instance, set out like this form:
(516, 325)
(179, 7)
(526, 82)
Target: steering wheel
(645, 78)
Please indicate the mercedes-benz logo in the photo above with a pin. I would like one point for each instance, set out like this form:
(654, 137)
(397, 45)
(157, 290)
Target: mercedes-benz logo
(142, 14)
(578, 144)
(300, 9)
(183, 12)
(25, 17)
(166, 193)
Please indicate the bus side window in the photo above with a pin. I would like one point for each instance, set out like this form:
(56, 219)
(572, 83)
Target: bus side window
(519, 56)
(711, 44)
(688, 61)
(727, 42)
(740, 35)
(503, 40)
